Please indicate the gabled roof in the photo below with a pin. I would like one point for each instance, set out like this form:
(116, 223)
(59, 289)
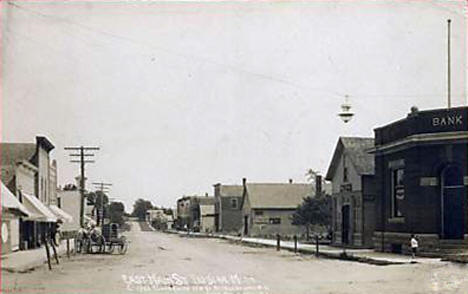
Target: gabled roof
(356, 150)
(277, 195)
(11, 154)
(230, 190)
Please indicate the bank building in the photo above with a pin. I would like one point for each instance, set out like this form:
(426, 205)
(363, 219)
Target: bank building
(421, 179)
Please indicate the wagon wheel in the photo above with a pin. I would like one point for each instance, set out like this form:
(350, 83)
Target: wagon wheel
(77, 245)
(99, 242)
(123, 245)
(111, 247)
(102, 244)
(87, 246)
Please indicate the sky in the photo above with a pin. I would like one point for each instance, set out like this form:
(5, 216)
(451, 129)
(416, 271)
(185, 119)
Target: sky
(182, 95)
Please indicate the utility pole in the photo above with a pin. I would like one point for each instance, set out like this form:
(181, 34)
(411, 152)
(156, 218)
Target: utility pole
(82, 162)
(449, 102)
(103, 187)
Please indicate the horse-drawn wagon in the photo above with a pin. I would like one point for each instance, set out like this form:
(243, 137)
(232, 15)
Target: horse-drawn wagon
(95, 241)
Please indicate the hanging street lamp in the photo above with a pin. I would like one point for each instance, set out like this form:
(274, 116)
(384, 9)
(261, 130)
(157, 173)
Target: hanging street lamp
(346, 114)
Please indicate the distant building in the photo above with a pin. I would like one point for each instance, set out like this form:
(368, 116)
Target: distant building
(153, 214)
(421, 178)
(203, 212)
(184, 213)
(68, 200)
(196, 213)
(228, 208)
(351, 172)
(267, 209)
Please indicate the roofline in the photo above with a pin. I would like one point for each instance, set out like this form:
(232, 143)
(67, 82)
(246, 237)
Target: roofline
(419, 111)
(333, 163)
(27, 164)
(44, 142)
(328, 176)
(420, 138)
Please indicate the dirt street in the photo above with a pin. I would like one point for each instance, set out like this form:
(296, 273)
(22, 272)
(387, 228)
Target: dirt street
(164, 263)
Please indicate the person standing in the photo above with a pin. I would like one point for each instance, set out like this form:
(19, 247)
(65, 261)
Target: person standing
(414, 246)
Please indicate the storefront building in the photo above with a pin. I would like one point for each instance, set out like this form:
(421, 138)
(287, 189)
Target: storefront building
(421, 178)
(12, 212)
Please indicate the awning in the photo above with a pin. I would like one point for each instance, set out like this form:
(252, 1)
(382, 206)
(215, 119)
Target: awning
(10, 202)
(62, 215)
(39, 209)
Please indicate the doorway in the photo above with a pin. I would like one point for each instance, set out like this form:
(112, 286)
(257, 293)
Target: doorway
(345, 210)
(452, 203)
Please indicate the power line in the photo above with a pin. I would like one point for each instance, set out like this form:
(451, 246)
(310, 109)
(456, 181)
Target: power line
(206, 60)
(171, 52)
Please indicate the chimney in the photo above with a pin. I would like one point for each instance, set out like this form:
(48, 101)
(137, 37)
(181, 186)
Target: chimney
(244, 181)
(290, 181)
(318, 185)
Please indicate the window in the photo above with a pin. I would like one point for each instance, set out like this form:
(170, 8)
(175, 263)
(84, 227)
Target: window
(258, 212)
(345, 174)
(274, 221)
(234, 203)
(345, 169)
(398, 191)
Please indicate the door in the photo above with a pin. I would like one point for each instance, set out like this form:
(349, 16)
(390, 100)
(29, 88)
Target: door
(246, 225)
(14, 233)
(453, 203)
(216, 222)
(345, 224)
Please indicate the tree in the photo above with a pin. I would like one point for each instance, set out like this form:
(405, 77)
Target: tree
(312, 176)
(168, 211)
(99, 200)
(140, 207)
(116, 212)
(314, 211)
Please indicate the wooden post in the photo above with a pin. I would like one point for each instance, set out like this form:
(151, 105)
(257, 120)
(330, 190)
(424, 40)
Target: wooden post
(68, 248)
(47, 253)
(295, 244)
(278, 240)
(55, 251)
(317, 245)
(75, 243)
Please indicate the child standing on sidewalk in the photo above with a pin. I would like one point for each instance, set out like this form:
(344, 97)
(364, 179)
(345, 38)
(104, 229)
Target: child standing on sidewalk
(414, 246)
